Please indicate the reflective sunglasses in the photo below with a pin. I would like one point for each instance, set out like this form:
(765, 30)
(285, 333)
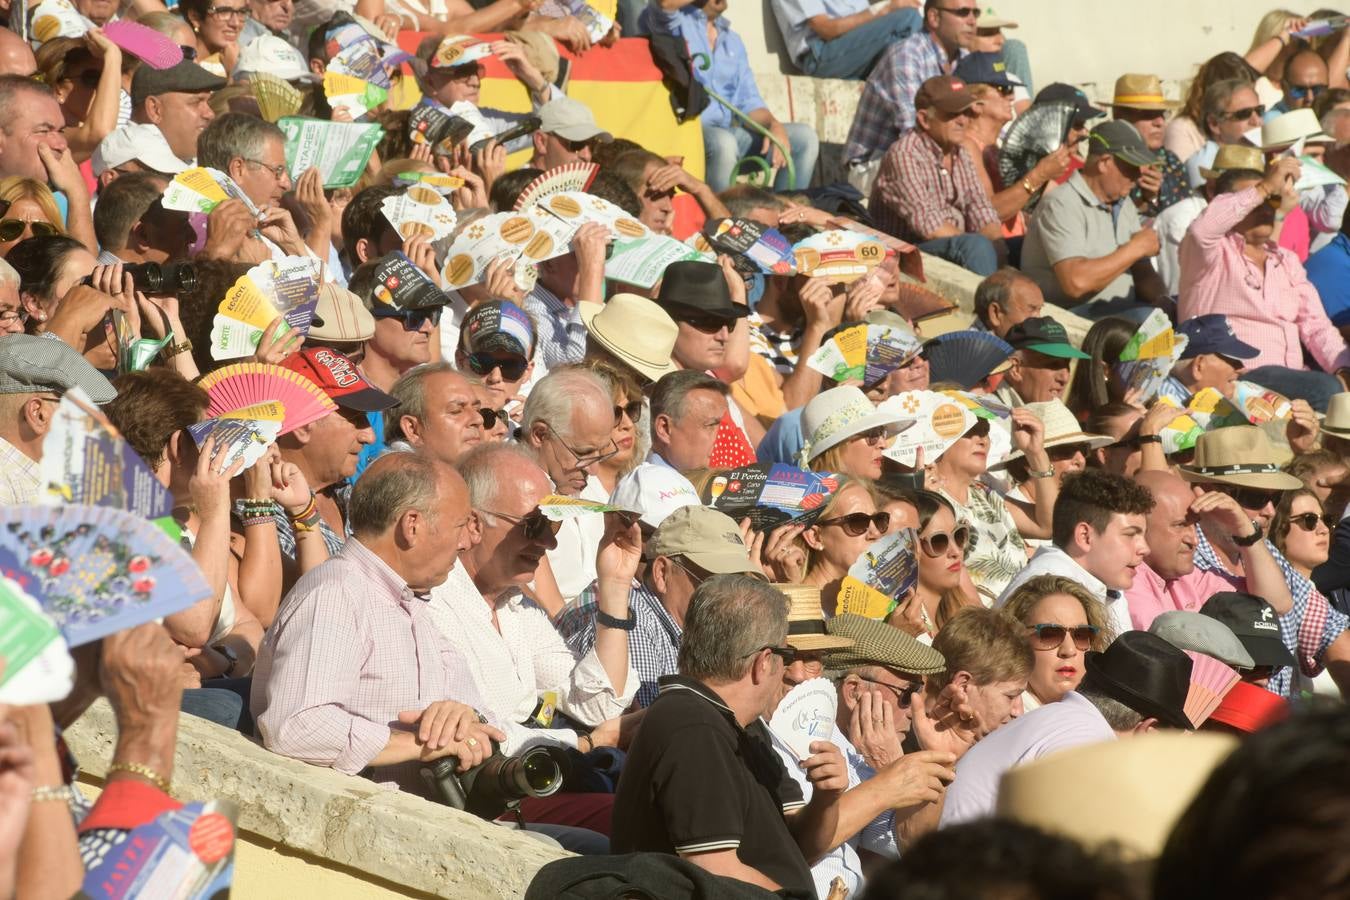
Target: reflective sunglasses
(535, 525)
(1048, 637)
(1308, 521)
(10, 229)
(1246, 112)
(413, 319)
(512, 367)
(632, 410)
(936, 545)
(856, 524)
(1304, 92)
(1004, 90)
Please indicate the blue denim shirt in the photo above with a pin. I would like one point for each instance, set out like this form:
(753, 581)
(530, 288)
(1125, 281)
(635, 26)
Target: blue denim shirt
(1329, 271)
(729, 75)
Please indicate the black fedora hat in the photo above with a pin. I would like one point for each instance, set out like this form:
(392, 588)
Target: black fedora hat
(1145, 673)
(691, 289)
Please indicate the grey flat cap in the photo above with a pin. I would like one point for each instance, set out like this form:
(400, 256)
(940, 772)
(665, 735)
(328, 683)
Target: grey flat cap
(31, 364)
(1192, 631)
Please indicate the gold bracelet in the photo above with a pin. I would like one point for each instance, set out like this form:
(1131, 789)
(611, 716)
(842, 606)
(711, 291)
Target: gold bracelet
(145, 772)
(173, 350)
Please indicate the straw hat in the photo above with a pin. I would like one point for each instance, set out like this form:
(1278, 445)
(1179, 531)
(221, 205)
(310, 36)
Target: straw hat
(806, 620)
(1286, 129)
(1240, 455)
(840, 413)
(634, 330)
(1061, 429)
(1337, 421)
(1146, 783)
(1141, 92)
(1234, 156)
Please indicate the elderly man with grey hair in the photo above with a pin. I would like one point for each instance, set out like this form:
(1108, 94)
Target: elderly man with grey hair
(250, 150)
(438, 413)
(700, 780)
(11, 307)
(1005, 299)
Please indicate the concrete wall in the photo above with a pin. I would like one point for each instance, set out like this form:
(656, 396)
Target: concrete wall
(312, 832)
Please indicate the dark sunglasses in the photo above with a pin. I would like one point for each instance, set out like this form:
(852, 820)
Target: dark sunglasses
(1004, 90)
(856, 524)
(632, 410)
(482, 364)
(535, 525)
(1067, 451)
(10, 229)
(962, 12)
(786, 654)
(903, 695)
(708, 325)
(413, 319)
(492, 416)
(1246, 112)
(936, 545)
(1254, 498)
(873, 437)
(1048, 637)
(1308, 521)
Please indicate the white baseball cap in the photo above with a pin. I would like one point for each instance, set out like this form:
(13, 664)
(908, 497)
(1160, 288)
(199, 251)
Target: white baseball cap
(654, 491)
(137, 141)
(269, 53)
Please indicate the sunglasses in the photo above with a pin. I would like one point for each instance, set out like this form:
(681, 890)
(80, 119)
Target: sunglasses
(536, 525)
(1048, 637)
(786, 654)
(873, 437)
(1256, 672)
(962, 12)
(482, 364)
(413, 319)
(1303, 92)
(492, 416)
(1308, 521)
(10, 229)
(936, 545)
(632, 410)
(1246, 112)
(1004, 90)
(1254, 498)
(856, 524)
(1067, 451)
(710, 325)
(903, 695)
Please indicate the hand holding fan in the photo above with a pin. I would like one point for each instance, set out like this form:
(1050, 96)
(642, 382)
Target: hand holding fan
(149, 46)
(242, 433)
(806, 715)
(1211, 680)
(1032, 136)
(276, 98)
(287, 288)
(762, 248)
(251, 383)
(573, 177)
(357, 96)
(201, 190)
(881, 577)
(38, 667)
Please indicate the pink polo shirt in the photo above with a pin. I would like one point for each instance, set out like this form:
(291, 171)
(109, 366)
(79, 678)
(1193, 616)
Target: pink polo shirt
(1277, 310)
(1150, 596)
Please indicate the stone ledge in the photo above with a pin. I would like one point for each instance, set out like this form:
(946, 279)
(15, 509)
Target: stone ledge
(399, 838)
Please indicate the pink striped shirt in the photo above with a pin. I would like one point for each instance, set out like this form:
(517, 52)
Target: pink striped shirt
(1276, 311)
(350, 649)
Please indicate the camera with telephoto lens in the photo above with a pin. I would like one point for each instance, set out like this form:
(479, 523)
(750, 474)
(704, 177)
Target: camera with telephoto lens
(490, 787)
(169, 278)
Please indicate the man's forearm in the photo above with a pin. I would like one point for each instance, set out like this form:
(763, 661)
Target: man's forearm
(611, 644)
(1265, 579)
(828, 28)
(815, 826)
(1082, 277)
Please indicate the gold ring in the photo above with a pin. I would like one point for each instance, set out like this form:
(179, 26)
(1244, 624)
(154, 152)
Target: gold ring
(472, 742)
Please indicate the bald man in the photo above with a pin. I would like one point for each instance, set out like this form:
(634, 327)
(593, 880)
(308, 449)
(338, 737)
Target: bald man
(16, 57)
(1305, 79)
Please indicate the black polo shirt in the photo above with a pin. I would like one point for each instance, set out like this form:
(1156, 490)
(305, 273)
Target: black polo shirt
(696, 782)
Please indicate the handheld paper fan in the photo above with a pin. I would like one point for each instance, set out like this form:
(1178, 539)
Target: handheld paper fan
(765, 249)
(401, 284)
(242, 433)
(1211, 680)
(420, 210)
(730, 448)
(939, 421)
(1147, 359)
(276, 97)
(460, 50)
(361, 60)
(444, 185)
(965, 357)
(881, 577)
(579, 208)
(806, 715)
(558, 508)
(86, 461)
(286, 288)
(770, 495)
(149, 46)
(38, 667)
(839, 255)
(186, 853)
(201, 190)
(1032, 136)
(573, 176)
(358, 96)
(97, 570)
(250, 383)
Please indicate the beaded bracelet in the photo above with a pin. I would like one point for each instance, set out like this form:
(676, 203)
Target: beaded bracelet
(44, 793)
(256, 509)
(249, 521)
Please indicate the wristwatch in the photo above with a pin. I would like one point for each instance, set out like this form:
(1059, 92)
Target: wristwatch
(1150, 439)
(609, 621)
(233, 658)
(1252, 538)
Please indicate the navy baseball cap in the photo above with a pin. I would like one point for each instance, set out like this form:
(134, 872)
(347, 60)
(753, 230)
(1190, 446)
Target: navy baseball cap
(1212, 334)
(1061, 91)
(983, 68)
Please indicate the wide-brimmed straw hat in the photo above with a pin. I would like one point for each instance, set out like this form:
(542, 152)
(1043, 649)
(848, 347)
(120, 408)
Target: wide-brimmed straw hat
(1337, 421)
(1239, 455)
(806, 620)
(840, 413)
(1287, 129)
(1141, 92)
(1061, 429)
(1234, 156)
(635, 331)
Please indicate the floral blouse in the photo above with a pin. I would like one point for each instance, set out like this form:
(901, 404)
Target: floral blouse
(995, 551)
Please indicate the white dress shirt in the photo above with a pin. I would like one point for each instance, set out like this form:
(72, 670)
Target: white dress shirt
(514, 667)
(1053, 561)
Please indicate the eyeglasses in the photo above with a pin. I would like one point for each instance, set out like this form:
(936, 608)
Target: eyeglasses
(1306, 521)
(1246, 112)
(228, 12)
(413, 319)
(1254, 498)
(1067, 451)
(962, 12)
(536, 524)
(10, 229)
(583, 462)
(856, 524)
(696, 574)
(492, 416)
(512, 367)
(278, 171)
(1305, 91)
(786, 654)
(873, 437)
(707, 325)
(1256, 672)
(936, 545)
(10, 317)
(1048, 637)
(903, 695)
(632, 410)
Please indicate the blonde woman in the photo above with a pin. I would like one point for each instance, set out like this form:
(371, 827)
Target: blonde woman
(28, 208)
(1063, 622)
(846, 434)
(85, 75)
(1273, 43)
(848, 524)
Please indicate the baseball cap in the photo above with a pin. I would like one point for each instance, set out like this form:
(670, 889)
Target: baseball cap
(1211, 333)
(707, 538)
(137, 141)
(340, 379)
(30, 364)
(1061, 91)
(1044, 335)
(949, 94)
(340, 317)
(1192, 631)
(570, 119)
(654, 491)
(269, 53)
(184, 78)
(499, 326)
(1254, 622)
(983, 68)
(991, 21)
(1123, 141)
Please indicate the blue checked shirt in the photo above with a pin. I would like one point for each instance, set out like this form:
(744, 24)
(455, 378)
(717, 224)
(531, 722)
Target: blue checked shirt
(729, 73)
(886, 109)
(286, 533)
(1307, 629)
(653, 644)
(562, 334)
